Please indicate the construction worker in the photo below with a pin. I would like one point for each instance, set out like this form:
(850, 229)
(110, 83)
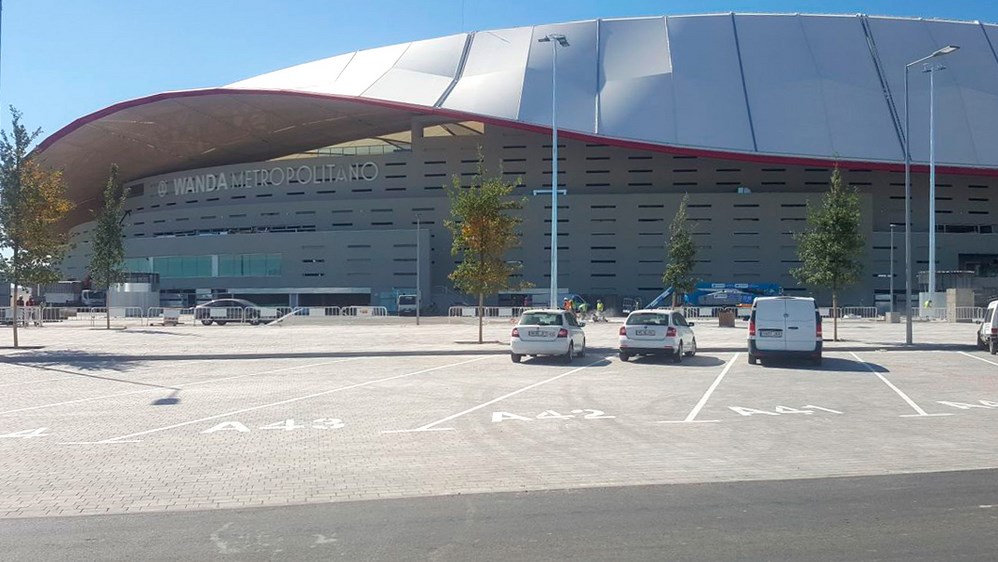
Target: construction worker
(599, 310)
(566, 305)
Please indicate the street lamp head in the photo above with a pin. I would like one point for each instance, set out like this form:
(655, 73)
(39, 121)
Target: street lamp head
(946, 50)
(554, 37)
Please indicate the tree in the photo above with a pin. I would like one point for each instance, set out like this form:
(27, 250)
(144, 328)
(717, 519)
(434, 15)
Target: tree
(484, 232)
(682, 252)
(32, 202)
(830, 248)
(108, 259)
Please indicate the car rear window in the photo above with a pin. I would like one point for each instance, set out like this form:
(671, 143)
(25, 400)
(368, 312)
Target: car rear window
(648, 320)
(541, 319)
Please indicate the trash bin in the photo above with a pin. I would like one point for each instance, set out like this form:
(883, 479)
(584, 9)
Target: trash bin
(726, 318)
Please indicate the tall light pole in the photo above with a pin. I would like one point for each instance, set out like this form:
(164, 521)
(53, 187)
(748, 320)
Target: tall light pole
(907, 194)
(892, 268)
(555, 39)
(419, 296)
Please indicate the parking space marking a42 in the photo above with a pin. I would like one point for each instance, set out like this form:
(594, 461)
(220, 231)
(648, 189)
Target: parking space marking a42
(584, 414)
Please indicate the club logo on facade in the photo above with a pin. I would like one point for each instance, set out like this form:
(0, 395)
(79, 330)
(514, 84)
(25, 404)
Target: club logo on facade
(163, 189)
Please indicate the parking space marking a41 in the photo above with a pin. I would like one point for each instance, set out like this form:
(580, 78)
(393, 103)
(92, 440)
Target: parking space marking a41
(782, 410)
(584, 414)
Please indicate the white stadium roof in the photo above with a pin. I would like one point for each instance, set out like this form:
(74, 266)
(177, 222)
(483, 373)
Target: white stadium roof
(788, 88)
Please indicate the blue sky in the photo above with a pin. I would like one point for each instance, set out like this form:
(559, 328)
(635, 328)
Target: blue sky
(63, 59)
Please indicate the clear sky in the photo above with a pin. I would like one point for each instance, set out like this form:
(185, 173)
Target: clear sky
(63, 59)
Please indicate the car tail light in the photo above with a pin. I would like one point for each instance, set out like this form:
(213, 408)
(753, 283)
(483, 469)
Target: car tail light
(817, 330)
(671, 332)
(994, 331)
(623, 331)
(563, 333)
(751, 327)
(516, 333)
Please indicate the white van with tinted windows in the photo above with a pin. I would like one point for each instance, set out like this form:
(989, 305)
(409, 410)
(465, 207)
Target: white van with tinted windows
(784, 327)
(987, 332)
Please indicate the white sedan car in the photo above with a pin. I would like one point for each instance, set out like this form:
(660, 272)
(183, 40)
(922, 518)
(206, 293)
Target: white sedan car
(547, 332)
(657, 332)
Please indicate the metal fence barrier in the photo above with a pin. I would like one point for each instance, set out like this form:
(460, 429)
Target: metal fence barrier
(969, 313)
(364, 311)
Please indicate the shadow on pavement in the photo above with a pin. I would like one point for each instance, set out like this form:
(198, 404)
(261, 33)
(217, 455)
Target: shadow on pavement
(50, 368)
(828, 365)
(696, 361)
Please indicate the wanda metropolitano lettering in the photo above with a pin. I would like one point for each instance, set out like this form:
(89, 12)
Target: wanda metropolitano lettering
(275, 176)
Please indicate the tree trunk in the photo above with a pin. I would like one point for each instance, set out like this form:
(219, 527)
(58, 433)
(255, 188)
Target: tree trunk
(835, 315)
(481, 315)
(674, 295)
(17, 292)
(107, 305)
(15, 319)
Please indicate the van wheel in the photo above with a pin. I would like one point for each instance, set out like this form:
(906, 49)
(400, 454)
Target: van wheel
(206, 322)
(570, 354)
(752, 360)
(516, 358)
(693, 349)
(582, 352)
(624, 357)
(220, 322)
(994, 347)
(254, 322)
(678, 356)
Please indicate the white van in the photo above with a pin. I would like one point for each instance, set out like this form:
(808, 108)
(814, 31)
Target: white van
(784, 327)
(987, 332)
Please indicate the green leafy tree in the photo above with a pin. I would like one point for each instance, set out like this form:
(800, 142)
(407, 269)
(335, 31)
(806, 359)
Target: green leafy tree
(682, 253)
(831, 247)
(32, 202)
(484, 231)
(108, 259)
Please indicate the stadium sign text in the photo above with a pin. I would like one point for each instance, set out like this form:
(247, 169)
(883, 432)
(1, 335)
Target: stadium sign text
(272, 177)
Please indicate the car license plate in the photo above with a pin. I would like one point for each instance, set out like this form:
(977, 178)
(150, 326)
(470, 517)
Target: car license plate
(644, 332)
(770, 333)
(537, 333)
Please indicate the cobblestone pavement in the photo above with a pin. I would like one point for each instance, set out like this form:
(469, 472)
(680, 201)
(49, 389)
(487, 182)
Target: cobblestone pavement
(193, 417)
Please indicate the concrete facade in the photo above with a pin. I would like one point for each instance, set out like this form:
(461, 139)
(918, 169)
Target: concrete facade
(356, 235)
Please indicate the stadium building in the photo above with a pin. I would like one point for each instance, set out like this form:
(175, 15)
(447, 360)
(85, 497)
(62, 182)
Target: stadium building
(304, 186)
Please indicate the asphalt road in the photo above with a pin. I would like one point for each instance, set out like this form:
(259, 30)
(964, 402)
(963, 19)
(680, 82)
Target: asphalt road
(936, 516)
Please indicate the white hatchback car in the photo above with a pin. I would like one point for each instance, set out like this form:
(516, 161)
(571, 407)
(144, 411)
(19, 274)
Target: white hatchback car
(987, 332)
(547, 332)
(657, 332)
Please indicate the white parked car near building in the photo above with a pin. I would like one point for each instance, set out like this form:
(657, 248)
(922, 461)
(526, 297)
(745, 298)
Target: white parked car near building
(547, 332)
(987, 332)
(657, 332)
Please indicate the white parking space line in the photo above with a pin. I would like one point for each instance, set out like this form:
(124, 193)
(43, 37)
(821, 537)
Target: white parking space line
(691, 418)
(429, 426)
(978, 358)
(920, 412)
(123, 438)
(92, 398)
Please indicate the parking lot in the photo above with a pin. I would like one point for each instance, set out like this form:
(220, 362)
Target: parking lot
(172, 418)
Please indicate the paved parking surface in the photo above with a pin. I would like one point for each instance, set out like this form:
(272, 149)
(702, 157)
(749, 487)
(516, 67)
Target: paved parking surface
(154, 419)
